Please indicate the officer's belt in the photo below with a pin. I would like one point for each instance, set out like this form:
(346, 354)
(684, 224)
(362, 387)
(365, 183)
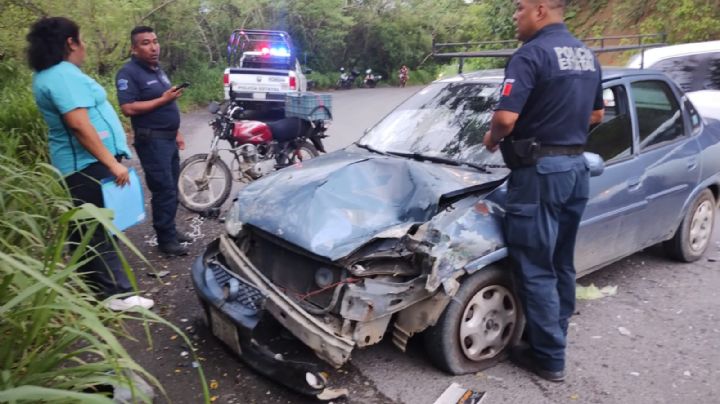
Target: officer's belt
(163, 134)
(549, 150)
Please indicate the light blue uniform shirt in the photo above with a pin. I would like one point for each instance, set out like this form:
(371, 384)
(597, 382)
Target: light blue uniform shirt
(63, 88)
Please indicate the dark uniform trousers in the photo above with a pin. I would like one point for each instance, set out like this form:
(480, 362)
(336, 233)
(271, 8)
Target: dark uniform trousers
(544, 206)
(104, 270)
(160, 160)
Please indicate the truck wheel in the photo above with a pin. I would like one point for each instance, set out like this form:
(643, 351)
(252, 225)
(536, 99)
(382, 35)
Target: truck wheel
(478, 326)
(203, 184)
(692, 237)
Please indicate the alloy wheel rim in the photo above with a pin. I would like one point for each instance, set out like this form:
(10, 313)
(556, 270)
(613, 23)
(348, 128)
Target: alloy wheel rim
(488, 323)
(701, 226)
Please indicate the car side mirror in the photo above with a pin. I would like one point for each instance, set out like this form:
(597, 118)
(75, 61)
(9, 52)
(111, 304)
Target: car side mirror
(595, 163)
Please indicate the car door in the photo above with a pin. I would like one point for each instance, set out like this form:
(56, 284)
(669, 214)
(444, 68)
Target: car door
(669, 156)
(606, 231)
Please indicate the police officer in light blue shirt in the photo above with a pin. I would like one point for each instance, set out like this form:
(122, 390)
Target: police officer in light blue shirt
(86, 141)
(551, 95)
(145, 95)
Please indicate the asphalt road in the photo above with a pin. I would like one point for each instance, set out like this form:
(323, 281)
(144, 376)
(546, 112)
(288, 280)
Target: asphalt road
(668, 352)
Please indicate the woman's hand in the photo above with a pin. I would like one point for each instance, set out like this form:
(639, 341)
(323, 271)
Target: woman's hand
(121, 174)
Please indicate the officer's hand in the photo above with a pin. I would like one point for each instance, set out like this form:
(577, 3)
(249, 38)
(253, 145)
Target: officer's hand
(489, 142)
(172, 94)
(180, 141)
(121, 174)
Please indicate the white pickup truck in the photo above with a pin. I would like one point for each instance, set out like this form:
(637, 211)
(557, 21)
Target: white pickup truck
(262, 69)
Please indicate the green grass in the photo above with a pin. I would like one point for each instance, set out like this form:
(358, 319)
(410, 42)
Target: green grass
(58, 340)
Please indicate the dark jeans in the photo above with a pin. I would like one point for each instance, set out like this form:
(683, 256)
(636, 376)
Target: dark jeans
(544, 207)
(104, 271)
(160, 160)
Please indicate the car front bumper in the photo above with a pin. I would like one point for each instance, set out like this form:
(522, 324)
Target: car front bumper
(237, 299)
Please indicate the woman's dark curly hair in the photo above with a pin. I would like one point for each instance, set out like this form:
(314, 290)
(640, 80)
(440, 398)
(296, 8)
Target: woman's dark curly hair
(48, 41)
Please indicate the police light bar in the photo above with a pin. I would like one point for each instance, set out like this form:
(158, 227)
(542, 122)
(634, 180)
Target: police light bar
(276, 51)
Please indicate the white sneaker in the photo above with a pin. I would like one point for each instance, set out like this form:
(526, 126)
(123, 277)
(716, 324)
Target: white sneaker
(129, 303)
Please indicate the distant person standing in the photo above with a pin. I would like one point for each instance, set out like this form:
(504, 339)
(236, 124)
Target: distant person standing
(86, 141)
(146, 96)
(404, 75)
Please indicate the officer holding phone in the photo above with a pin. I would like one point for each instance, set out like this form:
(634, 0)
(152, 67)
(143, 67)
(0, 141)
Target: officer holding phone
(147, 97)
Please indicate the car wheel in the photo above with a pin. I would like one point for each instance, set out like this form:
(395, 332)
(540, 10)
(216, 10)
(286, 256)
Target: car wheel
(692, 237)
(478, 326)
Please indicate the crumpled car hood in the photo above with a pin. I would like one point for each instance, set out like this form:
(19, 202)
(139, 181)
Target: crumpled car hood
(332, 205)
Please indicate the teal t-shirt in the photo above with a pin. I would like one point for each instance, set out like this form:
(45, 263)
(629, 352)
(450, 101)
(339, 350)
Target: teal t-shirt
(63, 88)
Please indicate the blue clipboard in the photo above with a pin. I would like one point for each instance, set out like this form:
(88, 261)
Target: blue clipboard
(127, 203)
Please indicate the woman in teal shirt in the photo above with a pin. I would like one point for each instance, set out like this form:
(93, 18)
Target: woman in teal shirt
(86, 140)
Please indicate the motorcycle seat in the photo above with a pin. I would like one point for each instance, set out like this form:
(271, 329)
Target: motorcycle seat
(287, 129)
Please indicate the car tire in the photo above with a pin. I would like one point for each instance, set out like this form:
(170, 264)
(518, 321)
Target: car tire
(693, 236)
(487, 298)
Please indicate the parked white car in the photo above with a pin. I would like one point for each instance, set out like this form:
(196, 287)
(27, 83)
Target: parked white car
(695, 67)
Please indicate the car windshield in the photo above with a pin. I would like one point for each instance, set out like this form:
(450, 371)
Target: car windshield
(446, 120)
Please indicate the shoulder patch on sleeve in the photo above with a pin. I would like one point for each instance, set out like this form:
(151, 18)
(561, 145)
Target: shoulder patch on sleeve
(507, 87)
(122, 84)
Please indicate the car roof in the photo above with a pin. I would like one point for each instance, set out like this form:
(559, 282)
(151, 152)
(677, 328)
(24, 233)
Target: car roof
(498, 75)
(654, 55)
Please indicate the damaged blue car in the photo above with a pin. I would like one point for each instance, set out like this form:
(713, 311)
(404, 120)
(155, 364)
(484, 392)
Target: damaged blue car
(401, 233)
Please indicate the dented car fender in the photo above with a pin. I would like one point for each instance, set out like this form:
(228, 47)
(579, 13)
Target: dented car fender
(465, 237)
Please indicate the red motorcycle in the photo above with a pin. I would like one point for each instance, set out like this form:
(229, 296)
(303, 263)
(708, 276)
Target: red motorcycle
(257, 149)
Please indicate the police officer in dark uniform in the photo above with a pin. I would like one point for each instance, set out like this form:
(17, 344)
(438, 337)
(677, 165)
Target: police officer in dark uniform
(146, 96)
(551, 95)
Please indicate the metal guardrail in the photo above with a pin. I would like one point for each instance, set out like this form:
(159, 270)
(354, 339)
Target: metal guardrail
(463, 50)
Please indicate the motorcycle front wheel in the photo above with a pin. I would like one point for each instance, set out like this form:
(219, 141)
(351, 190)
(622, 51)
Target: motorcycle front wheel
(203, 184)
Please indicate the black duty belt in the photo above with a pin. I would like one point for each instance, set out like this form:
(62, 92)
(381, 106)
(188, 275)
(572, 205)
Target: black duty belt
(549, 150)
(164, 134)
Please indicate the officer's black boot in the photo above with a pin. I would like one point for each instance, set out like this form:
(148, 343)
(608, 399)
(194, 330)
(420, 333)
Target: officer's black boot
(173, 249)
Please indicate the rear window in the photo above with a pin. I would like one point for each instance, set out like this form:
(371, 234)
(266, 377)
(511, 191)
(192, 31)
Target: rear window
(658, 113)
(693, 72)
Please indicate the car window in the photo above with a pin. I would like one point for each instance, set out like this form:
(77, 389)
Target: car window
(612, 139)
(658, 113)
(693, 72)
(712, 76)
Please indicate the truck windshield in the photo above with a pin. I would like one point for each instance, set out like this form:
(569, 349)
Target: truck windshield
(447, 120)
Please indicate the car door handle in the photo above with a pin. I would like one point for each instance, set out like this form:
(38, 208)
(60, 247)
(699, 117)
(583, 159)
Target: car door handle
(692, 163)
(633, 183)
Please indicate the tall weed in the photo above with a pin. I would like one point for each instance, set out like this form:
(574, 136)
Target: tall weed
(57, 341)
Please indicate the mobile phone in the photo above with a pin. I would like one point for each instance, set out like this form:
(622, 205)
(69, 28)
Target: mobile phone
(183, 85)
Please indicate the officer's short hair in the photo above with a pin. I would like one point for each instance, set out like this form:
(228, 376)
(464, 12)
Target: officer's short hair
(141, 29)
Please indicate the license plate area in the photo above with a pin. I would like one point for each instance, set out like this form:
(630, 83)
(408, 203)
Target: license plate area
(225, 330)
(259, 96)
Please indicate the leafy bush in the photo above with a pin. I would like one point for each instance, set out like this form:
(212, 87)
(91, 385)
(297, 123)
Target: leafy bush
(206, 85)
(58, 341)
